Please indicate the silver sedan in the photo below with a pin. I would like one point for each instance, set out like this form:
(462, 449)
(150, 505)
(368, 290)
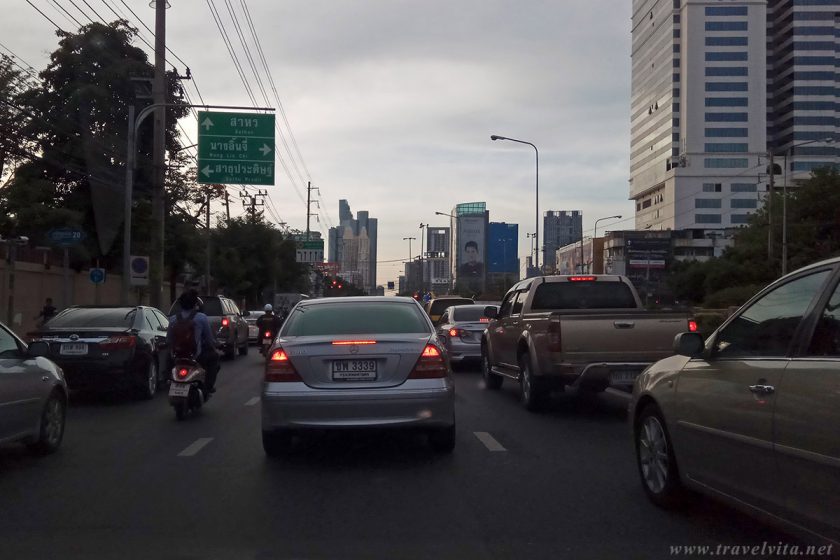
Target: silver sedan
(33, 395)
(357, 362)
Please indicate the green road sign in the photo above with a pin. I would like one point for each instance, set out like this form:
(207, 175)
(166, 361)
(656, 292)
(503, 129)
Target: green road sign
(311, 245)
(235, 148)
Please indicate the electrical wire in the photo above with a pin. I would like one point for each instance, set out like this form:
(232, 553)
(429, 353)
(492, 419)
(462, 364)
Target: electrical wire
(46, 17)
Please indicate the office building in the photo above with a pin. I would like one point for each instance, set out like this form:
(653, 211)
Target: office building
(436, 260)
(352, 246)
(560, 228)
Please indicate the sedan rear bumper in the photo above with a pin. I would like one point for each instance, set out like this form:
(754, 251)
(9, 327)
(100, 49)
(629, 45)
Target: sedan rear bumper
(459, 351)
(415, 403)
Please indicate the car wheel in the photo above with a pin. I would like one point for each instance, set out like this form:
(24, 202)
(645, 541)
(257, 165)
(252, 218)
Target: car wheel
(277, 443)
(491, 380)
(655, 459)
(230, 351)
(52, 426)
(149, 383)
(442, 440)
(532, 391)
(243, 350)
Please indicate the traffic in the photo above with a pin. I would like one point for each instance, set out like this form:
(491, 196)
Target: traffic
(752, 392)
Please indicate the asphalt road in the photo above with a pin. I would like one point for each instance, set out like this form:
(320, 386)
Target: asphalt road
(132, 482)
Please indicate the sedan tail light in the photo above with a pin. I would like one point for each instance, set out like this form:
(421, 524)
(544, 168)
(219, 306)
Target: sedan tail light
(279, 368)
(692, 325)
(455, 332)
(430, 365)
(225, 322)
(118, 343)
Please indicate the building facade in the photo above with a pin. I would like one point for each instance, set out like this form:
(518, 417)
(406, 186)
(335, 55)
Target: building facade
(716, 85)
(352, 246)
(437, 263)
(560, 228)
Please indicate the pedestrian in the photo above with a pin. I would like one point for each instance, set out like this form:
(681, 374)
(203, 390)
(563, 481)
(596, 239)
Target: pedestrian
(47, 313)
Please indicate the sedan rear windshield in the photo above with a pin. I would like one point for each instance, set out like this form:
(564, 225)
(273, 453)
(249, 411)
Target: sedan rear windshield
(355, 318)
(583, 295)
(119, 318)
(440, 305)
(471, 314)
(212, 307)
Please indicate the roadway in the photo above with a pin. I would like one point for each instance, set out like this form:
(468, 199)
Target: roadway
(132, 482)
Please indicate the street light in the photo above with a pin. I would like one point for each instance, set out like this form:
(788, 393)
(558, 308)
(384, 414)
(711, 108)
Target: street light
(409, 239)
(495, 137)
(422, 236)
(533, 237)
(595, 235)
(788, 157)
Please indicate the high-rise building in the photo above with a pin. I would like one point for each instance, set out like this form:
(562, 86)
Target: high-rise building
(436, 263)
(715, 85)
(352, 246)
(560, 228)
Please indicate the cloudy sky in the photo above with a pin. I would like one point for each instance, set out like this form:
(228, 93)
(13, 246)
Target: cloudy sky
(392, 102)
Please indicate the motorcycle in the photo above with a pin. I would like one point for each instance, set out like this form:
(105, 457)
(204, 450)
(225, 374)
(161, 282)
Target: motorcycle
(188, 389)
(267, 341)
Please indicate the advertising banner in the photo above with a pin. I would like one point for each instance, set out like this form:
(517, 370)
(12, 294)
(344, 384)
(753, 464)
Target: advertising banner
(471, 251)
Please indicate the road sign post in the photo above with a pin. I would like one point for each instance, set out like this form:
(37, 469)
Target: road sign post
(235, 148)
(66, 237)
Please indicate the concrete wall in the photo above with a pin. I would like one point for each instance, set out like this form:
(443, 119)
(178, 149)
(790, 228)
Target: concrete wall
(34, 283)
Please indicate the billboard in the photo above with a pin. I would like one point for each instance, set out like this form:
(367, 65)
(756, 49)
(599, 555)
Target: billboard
(646, 252)
(503, 248)
(471, 251)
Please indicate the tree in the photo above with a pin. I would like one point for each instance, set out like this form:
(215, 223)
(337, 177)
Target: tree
(12, 142)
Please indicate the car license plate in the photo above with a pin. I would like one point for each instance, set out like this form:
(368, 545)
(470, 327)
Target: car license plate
(253, 331)
(353, 370)
(179, 390)
(73, 349)
(623, 376)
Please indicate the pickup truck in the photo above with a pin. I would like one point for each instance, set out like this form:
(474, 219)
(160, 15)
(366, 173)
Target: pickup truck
(587, 332)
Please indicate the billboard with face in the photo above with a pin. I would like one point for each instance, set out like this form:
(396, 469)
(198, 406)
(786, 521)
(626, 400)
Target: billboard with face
(471, 251)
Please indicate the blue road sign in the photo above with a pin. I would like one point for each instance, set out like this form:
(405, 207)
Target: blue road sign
(97, 275)
(66, 236)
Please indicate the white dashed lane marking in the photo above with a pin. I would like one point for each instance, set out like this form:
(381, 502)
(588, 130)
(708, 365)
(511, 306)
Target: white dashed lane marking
(489, 441)
(253, 401)
(195, 447)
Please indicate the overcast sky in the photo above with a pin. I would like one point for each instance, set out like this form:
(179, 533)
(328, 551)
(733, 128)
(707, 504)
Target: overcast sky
(392, 103)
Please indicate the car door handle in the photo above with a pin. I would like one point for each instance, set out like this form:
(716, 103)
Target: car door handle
(762, 389)
(45, 378)
(624, 324)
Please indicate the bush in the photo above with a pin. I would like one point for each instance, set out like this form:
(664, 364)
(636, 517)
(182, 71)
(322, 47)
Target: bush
(733, 296)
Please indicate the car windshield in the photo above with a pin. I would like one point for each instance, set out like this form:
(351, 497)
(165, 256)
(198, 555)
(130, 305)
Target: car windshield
(92, 318)
(212, 307)
(583, 295)
(355, 318)
(471, 313)
(438, 306)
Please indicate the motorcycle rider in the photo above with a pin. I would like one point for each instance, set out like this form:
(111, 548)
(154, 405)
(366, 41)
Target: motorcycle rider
(204, 350)
(268, 322)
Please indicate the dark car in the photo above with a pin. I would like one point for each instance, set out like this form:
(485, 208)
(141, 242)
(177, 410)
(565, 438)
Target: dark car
(33, 395)
(103, 348)
(436, 306)
(226, 321)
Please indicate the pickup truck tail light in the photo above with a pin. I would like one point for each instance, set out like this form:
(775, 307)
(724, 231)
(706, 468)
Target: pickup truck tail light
(430, 364)
(279, 368)
(554, 339)
(692, 325)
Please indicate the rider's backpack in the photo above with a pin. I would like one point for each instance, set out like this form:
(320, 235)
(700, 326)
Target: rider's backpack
(183, 336)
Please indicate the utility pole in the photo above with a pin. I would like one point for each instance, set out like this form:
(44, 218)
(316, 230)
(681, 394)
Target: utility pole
(227, 205)
(770, 210)
(250, 202)
(422, 272)
(309, 214)
(158, 159)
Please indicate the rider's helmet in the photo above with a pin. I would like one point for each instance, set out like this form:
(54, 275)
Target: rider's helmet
(268, 308)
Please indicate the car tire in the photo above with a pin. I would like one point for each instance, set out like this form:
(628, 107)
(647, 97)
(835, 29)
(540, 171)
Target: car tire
(442, 440)
(492, 380)
(243, 350)
(148, 383)
(655, 459)
(230, 352)
(533, 393)
(277, 443)
(51, 430)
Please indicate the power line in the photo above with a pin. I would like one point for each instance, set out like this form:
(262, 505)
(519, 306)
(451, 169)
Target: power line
(81, 11)
(68, 14)
(46, 17)
(217, 18)
(92, 10)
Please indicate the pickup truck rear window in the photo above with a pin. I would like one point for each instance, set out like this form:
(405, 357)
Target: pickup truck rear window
(583, 295)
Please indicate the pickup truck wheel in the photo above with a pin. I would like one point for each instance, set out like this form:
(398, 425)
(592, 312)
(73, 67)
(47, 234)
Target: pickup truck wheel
(491, 380)
(533, 393)
(656, 461)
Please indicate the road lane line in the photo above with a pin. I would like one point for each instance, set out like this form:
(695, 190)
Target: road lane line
(489, 441)
(253, 401)
(195, 447)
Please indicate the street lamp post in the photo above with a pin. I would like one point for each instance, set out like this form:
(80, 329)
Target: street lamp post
(595, 235)
(409, 239)
(422, 272)
(495, 137)
(788, 158)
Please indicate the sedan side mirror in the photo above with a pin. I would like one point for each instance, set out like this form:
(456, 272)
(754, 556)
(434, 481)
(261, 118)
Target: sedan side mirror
(689, 344)
(491, 311)
(38, 349)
